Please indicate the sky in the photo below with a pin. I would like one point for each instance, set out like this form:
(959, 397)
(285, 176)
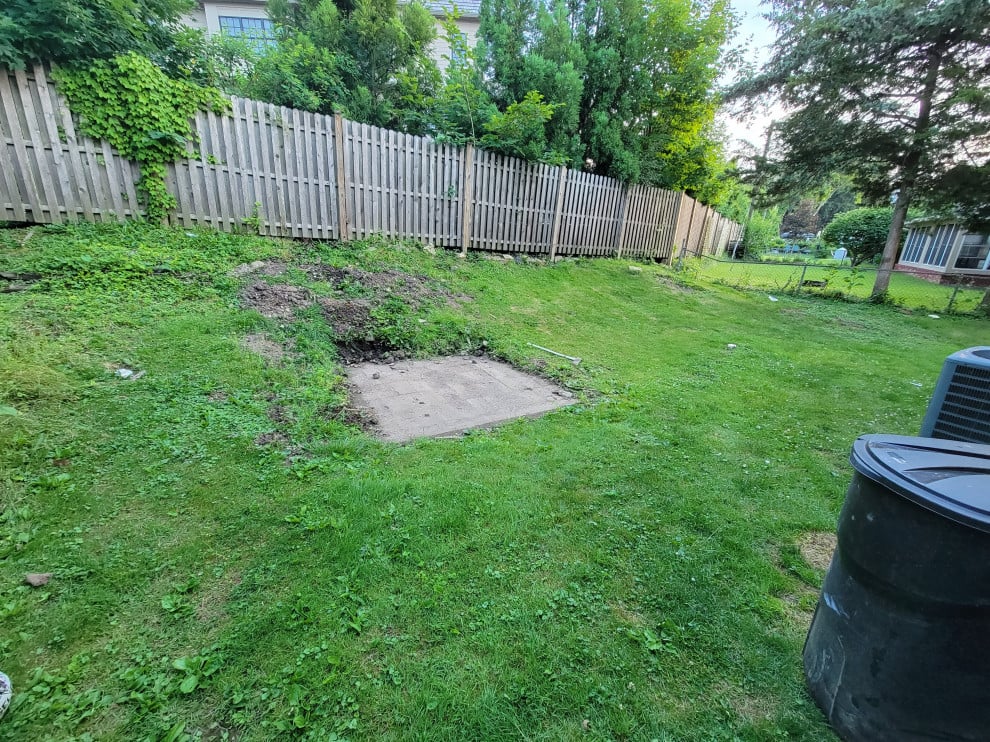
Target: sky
(756, 35)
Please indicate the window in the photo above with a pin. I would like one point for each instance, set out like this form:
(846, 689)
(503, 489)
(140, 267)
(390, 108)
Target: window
(914, 245)
(937, 253)
(258, 32)
(974, 252)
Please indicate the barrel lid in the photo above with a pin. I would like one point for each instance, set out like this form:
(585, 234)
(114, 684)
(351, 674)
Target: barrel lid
(951, 478)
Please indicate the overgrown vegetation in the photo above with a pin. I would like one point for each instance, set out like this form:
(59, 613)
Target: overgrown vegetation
(233, 559)
(145, 115)
(625, 89)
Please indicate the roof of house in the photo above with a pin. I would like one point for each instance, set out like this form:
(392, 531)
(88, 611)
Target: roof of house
(465, 8)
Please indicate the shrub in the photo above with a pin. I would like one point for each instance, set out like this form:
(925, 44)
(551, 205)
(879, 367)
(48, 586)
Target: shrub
(862, 232)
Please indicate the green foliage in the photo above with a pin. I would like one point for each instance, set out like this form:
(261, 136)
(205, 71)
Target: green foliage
(145, 116)
(77, 31)
(892, 93)
(461, 106)
(368, 60)
(519, 131)
(298, 74)
(762, 233)
(862, 232)
(636, 83)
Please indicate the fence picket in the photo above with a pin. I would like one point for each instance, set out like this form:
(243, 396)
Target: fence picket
(313, 176)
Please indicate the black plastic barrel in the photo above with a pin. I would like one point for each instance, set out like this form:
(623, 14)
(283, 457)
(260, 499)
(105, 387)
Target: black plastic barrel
(899, 647)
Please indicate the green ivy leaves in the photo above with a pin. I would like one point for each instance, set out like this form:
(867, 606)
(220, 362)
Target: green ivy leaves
(145, 115)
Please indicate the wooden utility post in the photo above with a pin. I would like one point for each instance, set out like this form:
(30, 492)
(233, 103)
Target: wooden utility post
(338, 148)
(467, 198)
(621, 231)
(557, 212)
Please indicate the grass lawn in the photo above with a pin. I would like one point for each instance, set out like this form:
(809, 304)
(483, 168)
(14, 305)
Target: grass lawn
(626, 568)
(905, 290)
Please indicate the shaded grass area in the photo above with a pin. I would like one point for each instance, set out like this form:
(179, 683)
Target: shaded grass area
(907, 291)
(624, 568)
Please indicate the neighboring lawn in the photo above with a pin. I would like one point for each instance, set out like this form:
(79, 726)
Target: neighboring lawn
(856, 283)
(622, 569)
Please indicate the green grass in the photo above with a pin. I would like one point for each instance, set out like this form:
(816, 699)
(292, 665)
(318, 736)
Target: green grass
(621, 569)
(905, 290)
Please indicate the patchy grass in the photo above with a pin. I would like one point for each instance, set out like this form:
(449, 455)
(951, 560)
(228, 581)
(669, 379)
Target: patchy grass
(906, 291)
(233, 560)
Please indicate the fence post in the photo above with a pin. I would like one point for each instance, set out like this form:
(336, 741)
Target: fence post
(467, 199)
(621, 232)
(804, 269)
(557, 212)
(952, 299)
(338, 146)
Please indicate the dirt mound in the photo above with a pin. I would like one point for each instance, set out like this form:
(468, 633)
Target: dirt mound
(413, 289)
(349, 318)
(276, 300)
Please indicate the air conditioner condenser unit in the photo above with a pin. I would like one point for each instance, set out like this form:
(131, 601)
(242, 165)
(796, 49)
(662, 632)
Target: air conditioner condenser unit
(960, 408)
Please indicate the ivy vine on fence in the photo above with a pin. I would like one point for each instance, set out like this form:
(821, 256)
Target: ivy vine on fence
(143, 114)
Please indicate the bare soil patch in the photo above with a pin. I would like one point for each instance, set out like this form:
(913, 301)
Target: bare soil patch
(671, 284)
(276, 300)
(415, 290)
(349, 318)
(817, 548)
(274, 438)
(260, 267)
(264, 346)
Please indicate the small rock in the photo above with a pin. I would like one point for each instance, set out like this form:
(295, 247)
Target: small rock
(564, 393)
(37, 579)
(429, 249)
(376, 375)
(773, 298)
(474, 361)
(731, 346)
(586, 724)
(123, 373)
(635, 269)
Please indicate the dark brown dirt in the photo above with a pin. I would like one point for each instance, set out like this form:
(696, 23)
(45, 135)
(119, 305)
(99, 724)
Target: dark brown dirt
(349, 313)
(349, 318)
(416, 290)
(817, 548)
(276, 300)
(279, 415)
(273, 438)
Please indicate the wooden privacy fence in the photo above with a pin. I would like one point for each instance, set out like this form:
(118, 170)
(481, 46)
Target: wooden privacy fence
(289, 173)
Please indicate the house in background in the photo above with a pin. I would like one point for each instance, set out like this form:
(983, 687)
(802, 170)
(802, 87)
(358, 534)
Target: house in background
(248, 19)
(938, 250)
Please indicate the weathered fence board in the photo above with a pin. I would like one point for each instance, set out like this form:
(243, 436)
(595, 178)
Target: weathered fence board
(289, 173)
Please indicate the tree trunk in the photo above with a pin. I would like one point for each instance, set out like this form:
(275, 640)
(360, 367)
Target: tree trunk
(893, 242)
(909, 168)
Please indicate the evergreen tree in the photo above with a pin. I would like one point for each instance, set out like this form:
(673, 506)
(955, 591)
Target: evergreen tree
(895, 93)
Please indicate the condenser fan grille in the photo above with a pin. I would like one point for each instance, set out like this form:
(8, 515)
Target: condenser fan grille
(960, 408)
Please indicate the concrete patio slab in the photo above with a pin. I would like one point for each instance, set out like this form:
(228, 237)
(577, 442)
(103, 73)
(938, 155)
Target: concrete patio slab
(445, 396)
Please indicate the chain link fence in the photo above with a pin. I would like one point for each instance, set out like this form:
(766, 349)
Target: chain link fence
(840, 281)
